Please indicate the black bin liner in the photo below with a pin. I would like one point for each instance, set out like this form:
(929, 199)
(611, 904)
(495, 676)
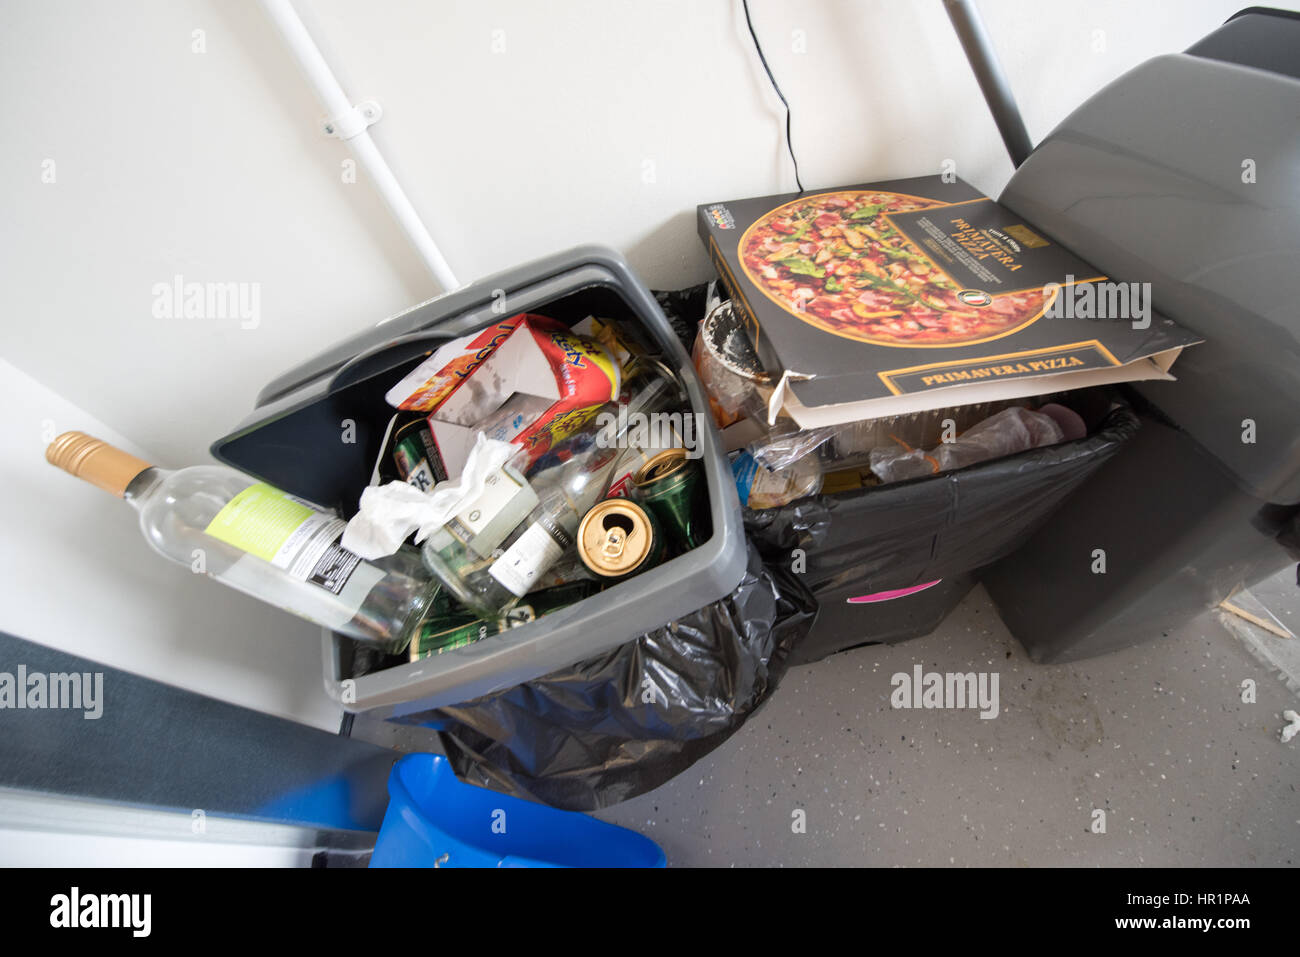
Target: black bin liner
(905, 534)
(613, 727)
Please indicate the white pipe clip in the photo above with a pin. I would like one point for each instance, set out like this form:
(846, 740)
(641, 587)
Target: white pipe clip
(354, 121)
(351, 124)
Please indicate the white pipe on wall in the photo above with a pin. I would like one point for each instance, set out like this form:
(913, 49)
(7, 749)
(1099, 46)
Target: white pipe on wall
(350, 125)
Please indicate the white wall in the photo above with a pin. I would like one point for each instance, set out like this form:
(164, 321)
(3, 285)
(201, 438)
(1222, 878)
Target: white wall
(76, 574)
(211, 165)
(520, 128)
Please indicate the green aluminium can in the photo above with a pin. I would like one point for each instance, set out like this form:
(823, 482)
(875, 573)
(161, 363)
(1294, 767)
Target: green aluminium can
(668, 487)
(437, 635)
(416, 457)
(448, 626)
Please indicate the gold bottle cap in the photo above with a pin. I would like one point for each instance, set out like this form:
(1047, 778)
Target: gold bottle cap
(102, 465)
(614, 538)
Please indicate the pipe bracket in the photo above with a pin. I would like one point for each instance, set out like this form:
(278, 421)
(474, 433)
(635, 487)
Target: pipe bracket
(355, 121)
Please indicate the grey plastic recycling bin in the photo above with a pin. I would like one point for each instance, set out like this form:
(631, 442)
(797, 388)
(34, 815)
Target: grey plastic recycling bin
(292, 441)
(1182, 174)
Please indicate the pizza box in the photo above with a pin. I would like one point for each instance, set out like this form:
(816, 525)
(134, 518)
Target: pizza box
(910, 295)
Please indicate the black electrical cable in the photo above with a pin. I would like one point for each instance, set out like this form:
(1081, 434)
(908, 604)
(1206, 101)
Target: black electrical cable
(789, 143)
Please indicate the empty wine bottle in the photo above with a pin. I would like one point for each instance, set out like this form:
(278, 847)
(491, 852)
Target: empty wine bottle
(259, 540)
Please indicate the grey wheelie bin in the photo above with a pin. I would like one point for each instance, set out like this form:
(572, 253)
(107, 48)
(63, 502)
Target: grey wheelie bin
(292, 441)
(1181, 174)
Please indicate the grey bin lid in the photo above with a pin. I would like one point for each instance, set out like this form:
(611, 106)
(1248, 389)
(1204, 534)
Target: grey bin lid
(1145, 181)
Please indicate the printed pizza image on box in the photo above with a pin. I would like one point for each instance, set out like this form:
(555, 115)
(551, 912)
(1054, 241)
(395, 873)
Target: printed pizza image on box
(915, 294)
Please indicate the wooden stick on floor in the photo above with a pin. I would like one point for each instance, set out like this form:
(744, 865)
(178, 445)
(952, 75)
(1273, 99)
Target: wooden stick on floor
(1269, 626)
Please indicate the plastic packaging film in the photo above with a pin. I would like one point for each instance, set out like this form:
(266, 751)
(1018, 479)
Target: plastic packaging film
(1006, 433)
(907, 533)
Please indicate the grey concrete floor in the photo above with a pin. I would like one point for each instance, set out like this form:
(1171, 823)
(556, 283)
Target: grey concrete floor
(1157, 737)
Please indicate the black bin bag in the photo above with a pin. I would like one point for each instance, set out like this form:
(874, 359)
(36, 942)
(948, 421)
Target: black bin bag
(618, 725)
(861, 552)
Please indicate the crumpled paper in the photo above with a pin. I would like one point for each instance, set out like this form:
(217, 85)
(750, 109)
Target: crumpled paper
(389, 513)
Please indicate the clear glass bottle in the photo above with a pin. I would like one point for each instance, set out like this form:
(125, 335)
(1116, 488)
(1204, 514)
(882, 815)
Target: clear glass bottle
(488, 577)
(259, 540)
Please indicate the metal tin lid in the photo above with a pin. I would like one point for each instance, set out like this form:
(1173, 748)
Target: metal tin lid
(615, 538)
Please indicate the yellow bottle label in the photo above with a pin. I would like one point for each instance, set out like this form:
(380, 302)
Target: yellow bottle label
(261, 520)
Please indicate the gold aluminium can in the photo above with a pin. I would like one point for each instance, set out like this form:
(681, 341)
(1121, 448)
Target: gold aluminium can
(618, 538)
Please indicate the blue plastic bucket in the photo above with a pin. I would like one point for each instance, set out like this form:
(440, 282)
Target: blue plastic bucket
(435, 820)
